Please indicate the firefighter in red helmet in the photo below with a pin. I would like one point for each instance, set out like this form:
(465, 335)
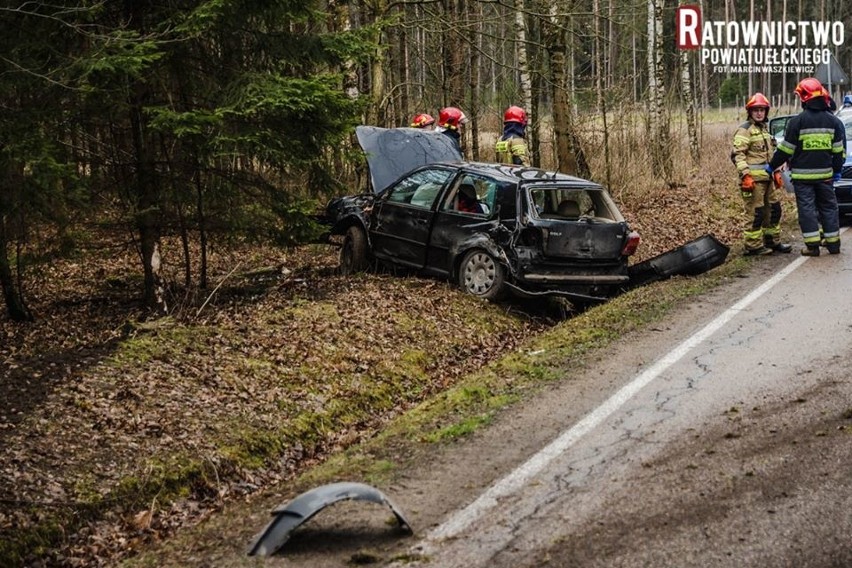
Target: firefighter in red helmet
(422, 120)
(752, 149)
(511, 148)
(814, 147)
(449, 121)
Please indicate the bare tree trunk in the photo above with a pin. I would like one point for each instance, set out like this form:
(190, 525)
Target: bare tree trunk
(454, 67)
(569, 153)
(524, 71)
(784, 75)
(146, 190)
(403, 74)
(202, 227)
(474, 83)
(599, 87)
(350, 69)
(750, 74)
(658, 118)
(688, 93)
(705, 88)
(146, 194)
(12, 294)
(377, 72)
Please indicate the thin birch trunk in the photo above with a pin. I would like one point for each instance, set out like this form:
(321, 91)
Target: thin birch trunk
(658, 118)
(524, 72)
(688, 93)
(599, 87)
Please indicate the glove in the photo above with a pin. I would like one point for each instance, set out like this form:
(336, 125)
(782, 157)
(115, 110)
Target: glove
(768, 170)
(836, 177)
(747, 183)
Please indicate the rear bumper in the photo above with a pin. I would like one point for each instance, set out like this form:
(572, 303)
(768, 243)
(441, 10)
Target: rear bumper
(577, 282)
(690, 259)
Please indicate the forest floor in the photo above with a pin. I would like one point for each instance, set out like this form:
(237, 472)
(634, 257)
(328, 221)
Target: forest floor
(116, 430)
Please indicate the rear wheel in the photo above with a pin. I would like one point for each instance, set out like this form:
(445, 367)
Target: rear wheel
(353, 253)
(481, 275)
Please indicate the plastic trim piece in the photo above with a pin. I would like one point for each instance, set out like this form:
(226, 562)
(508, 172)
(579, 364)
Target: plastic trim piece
(690, 259)
(298, 511)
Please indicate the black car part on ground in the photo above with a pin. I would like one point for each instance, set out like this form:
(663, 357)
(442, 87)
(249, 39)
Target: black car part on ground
(298, 511)
(690, 259)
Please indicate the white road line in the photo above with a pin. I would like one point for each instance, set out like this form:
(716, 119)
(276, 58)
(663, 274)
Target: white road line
(463, 518)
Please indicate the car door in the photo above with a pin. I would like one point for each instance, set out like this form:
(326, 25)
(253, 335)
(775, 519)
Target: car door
(454, 227)
(403, 215)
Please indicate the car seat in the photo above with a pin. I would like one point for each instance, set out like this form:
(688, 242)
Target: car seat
(469, 192)
(568, 208)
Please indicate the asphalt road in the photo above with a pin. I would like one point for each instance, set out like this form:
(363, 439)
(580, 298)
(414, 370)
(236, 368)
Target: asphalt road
(721, 436)
(729, 444)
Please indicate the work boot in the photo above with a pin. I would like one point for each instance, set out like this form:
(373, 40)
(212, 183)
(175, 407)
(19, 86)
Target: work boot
(811, 250)
(833, 248)
(758, 251)
(781, 247)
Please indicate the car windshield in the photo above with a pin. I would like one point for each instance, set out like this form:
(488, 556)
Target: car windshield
(847, 124)
(777, 125)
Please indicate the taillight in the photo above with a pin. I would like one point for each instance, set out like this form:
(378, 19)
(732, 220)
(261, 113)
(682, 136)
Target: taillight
(632, 244)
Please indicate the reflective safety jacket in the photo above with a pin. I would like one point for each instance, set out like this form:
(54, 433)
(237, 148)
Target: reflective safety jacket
(512, 150)
(815, 145)
(753, 147)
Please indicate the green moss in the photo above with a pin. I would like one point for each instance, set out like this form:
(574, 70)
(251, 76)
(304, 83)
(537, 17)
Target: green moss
(163, 341)
(253, 448)
(17, 546)
(462, 428)
(309, 310)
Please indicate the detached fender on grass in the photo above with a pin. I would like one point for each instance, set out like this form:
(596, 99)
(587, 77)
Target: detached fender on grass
(298, 511)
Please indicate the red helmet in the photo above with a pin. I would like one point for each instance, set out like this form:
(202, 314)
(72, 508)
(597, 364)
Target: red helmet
(810, 88)
(451, 117)
(757, 100)
(422, 120)
(515, 114)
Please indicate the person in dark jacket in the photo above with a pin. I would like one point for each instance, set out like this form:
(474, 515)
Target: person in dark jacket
(815, 146)
(450, 120)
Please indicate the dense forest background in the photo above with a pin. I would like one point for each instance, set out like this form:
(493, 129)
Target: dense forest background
(222, 120)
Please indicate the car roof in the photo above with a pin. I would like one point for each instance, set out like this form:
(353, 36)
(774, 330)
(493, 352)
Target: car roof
(522, 174)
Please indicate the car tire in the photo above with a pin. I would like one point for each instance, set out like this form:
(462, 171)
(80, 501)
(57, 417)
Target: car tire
(353, 253)
(481, 275)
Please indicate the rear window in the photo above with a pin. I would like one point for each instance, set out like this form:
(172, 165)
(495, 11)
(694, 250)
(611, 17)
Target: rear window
(572, 203)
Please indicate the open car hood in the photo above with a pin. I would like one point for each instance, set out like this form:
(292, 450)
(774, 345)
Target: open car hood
(392, 152)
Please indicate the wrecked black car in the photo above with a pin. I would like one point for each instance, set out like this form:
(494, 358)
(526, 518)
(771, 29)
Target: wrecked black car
(493, 228)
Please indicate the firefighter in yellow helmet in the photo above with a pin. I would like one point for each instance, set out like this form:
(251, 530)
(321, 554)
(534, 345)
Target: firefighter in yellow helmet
(753, 147)
(511, 148)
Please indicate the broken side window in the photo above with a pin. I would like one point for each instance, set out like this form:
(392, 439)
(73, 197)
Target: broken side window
(419, 189)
